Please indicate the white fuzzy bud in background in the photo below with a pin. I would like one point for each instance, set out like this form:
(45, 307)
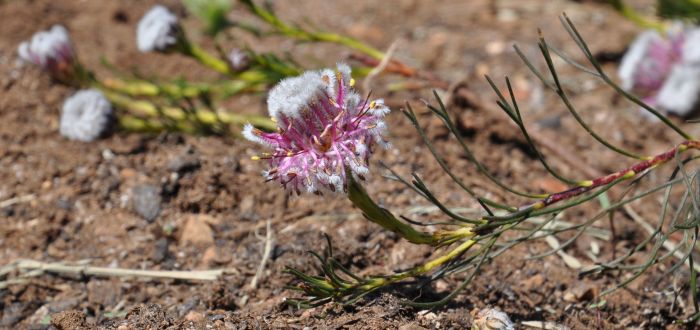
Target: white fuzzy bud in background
(157, 30)
(492, 319)
(86, 115)
(238, 59)
(51, 50)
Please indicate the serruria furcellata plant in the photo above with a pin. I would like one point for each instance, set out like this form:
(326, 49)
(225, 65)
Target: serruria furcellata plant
(471, 242)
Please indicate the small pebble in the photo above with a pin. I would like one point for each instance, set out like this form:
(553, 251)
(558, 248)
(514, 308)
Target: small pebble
(146, 201)
(184, 163)
(160, 250)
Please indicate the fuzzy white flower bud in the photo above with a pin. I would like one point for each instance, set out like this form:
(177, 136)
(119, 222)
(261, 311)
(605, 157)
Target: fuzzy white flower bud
(157, 30)
(86, 115)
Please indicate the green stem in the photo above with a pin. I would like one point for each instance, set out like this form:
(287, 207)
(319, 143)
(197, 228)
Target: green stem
(136, 124)
(375, 283)
(348, 42)
(225, 89)
(379, 215)
(146, 88)
(637, 18)
(207, 59)
(304, 35)
(180, 116)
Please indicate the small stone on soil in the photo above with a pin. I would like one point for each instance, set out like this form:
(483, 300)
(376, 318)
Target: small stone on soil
(197, 232)
(160, 250)
(184, 163)
(147, 201)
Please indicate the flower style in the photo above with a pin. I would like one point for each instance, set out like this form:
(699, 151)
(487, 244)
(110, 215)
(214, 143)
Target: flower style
(325, 130)
(51, 50)
(86, 116)
(158, 30)
(664, 70)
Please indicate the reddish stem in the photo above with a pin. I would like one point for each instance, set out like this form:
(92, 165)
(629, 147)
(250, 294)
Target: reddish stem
(586, 186)
(625, 173)
(398, 67)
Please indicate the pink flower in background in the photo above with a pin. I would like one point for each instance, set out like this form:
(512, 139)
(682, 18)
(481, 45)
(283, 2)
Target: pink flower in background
(238, 59)
(51, 50)
(664, 70)
(324, 129)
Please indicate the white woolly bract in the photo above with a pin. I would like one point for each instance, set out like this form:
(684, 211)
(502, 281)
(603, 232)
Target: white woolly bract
(331, 83)
(46, 45)
(292, 96)
(634, 57)
(249, 133)
(357, 168)
(345, 73)
(352, 103)
(378, 108)
(679, 93)
(336, 181)
(85, 116)
(157, 30)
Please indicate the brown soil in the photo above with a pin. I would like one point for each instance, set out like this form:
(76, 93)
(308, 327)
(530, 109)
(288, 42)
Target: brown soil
(214, 209)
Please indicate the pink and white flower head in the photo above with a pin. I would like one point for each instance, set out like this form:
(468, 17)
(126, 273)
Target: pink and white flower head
(51, 50)
(664, 69)
(324, 128)
(158, 30)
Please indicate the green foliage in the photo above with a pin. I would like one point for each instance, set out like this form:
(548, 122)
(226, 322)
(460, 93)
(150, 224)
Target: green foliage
(212, 12)
(679, 9)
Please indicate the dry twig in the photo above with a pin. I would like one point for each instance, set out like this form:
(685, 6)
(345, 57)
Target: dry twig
(32, 268)
(267, 251)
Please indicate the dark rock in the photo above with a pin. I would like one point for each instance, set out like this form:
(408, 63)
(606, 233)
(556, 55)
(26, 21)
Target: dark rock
(184, 163)
(64, 203)
(147, 201)
(7, 212)
(160, 250)
(187, 306)
(553, 122)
